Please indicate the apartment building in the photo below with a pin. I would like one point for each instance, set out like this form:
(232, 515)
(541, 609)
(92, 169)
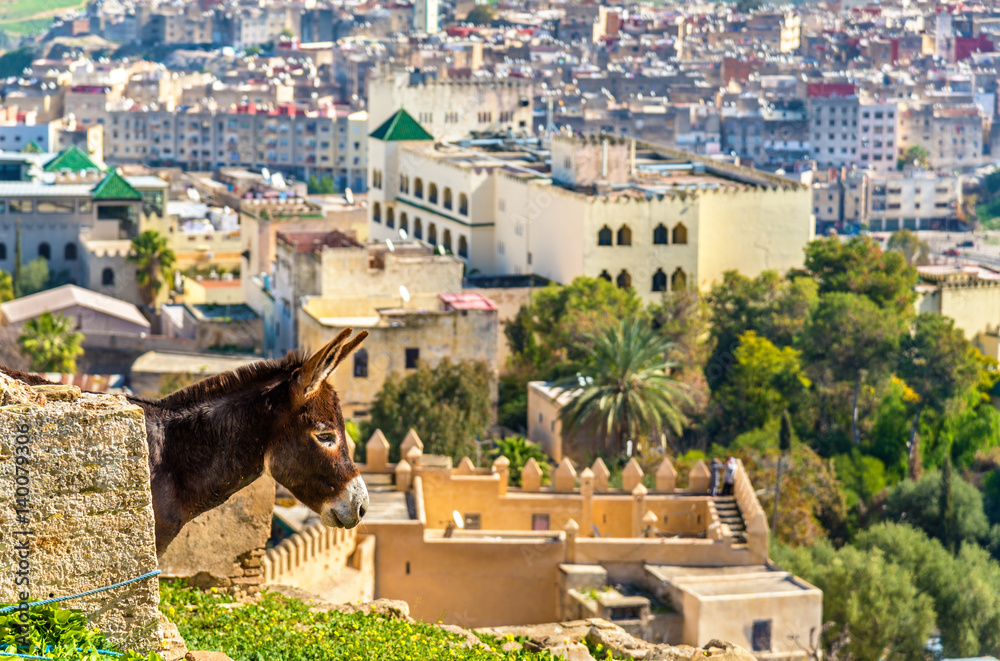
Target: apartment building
(952, 134)
(877, 140)
(331, 143)
(915, 200)
(637, 214)
(833, 124)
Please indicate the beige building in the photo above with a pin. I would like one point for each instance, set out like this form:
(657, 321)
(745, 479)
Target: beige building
(951, 134)
(968, 294)
(450, 109)
(478, 552)
(637, 214)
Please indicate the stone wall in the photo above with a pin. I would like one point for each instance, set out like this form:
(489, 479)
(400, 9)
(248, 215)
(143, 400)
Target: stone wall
(334, 563)
(223, 547)
(85, 503)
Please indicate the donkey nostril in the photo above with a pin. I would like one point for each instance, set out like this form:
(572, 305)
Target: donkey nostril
(361, 511)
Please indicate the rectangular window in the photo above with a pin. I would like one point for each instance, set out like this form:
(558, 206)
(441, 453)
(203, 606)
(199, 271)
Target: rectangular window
(55, 206)
(473, 522)
(761, 637)
(412, 356)
(3, 206)
(539, 521)
(22, 206)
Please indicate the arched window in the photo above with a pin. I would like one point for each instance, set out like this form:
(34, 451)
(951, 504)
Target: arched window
(604, 236)
(404, 184)
(659, 280)
(660, 235)
(432, 193)
(463, 204)
(624, 280)
(404, 222)
(447, 198)
(361, 364)
(390, 217)
(605, 275)
(108, 277)
(45, 251)
(680, 234)
(446, 239)
(624, 236)
(418, 229)
(3, 251)
(69, 252)
(377, 212)
(679, 280)
(418, 187)
(432, 234)
(463, 246)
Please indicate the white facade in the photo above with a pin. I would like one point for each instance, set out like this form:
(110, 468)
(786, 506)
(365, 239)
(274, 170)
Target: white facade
(425, 16)
(877, 141)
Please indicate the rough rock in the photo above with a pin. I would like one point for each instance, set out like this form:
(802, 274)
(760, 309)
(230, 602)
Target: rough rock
(471, 639)
(207, 656)
(623, 644)
(209, 548)
(174, 648)
(88, 510)
(387, 607)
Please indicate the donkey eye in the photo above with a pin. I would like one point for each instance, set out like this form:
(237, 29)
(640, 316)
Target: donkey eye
(325, 437)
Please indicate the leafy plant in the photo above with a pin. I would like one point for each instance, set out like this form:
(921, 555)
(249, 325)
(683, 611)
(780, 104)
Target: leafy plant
(60, 634)
(50, 343)
(518, 451)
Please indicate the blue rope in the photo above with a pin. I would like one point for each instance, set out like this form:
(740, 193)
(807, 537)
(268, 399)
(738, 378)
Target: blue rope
(44, 602)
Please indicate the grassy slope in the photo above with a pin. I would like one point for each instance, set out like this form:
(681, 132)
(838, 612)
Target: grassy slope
(27, 16)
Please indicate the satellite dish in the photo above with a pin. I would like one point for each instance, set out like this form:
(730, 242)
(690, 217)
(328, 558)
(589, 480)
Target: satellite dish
(457, 518)
(226, 210)
(405, 293)
(266, 174)
(278, 180)
(402, 234)
(440, 249)
(349, 196)
(193, 195)
(388, 244)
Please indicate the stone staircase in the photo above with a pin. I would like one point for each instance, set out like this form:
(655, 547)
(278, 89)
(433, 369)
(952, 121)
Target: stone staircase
(729, 513)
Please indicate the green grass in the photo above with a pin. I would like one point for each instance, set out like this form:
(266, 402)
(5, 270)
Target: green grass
(31, 16)
(282, 629)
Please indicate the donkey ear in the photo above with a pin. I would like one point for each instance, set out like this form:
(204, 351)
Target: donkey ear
(348, 349)
(314, 371)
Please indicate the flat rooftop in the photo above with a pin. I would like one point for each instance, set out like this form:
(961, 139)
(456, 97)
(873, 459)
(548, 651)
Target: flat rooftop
(167, 362)
(749, 580)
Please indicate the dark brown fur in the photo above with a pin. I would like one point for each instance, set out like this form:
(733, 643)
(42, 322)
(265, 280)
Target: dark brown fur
(211, 439)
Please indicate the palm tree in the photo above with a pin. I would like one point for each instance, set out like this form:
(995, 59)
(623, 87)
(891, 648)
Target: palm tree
(624, 389)
(50, 343)
(155, 259)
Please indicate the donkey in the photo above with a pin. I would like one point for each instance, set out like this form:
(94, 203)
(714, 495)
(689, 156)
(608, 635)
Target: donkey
(280, 417)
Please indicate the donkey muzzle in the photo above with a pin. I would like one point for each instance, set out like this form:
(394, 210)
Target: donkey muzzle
(349, 507)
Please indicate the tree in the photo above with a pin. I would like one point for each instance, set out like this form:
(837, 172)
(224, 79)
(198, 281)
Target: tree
(784, 445)
(886, 616)
(547, 332)
(859, 266)
(518, 451)
(949, 525)
(13, 63)
(152, 255)
(625, 389)
(448, 405)
(853, 338)
(919, 504)
(481, 14)
(33, 278)
(287, 32)
(6, 287)
(50, 343)
(764, 379)
(962, 587)
(914, 155)
(909, 245)
(773, 307)
(936, 362)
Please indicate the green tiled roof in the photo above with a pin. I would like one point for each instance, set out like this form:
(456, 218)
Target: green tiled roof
(31, 148)
(401, 126)
(72, 158)
(114, 187)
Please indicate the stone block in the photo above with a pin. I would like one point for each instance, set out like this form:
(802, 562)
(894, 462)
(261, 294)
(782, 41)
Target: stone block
(88, 509)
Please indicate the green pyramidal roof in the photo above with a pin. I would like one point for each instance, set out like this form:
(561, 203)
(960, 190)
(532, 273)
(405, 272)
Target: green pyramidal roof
(114, 187)
(72, 158)
(31, 148)
(401, 126)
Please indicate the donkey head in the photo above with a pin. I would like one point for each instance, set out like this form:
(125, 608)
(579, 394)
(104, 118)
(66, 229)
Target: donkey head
(310, 458)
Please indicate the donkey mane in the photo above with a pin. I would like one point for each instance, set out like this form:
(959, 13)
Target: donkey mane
(233, 381)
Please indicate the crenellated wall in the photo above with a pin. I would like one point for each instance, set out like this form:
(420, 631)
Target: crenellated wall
(334, 563)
